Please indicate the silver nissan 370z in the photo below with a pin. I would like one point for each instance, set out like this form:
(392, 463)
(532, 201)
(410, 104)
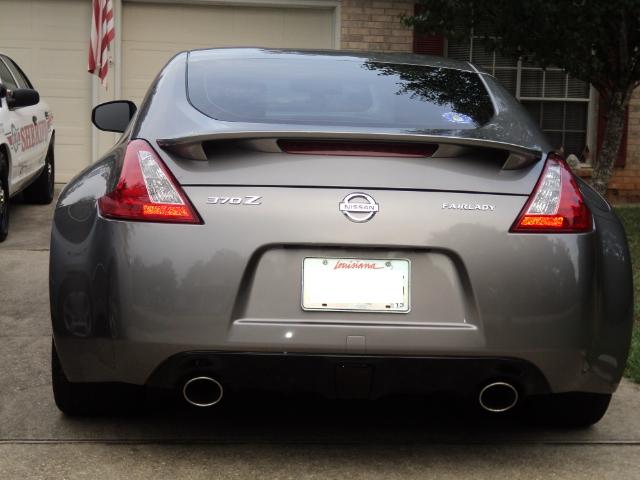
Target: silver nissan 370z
(352, 225)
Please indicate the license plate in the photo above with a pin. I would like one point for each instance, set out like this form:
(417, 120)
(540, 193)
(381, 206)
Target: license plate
(355, 284)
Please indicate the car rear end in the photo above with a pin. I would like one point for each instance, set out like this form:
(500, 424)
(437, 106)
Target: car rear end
(343, 253)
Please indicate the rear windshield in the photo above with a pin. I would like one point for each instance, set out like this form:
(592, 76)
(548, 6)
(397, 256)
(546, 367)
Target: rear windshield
(344, 91)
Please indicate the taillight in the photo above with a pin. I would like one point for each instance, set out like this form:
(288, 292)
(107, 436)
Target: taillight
(556, 204)
(146, 190)
(357, 149)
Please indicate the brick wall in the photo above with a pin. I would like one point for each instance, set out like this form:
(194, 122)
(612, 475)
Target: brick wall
(624, 186)
(374, 25)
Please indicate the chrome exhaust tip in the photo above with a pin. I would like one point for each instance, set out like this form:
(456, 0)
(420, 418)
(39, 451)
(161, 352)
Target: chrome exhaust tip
(498, 397)
(202, 391)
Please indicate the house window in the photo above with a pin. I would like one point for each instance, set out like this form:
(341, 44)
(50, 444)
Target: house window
(563, 106)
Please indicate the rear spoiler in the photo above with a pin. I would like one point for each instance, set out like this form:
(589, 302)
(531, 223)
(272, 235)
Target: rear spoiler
(191, 146)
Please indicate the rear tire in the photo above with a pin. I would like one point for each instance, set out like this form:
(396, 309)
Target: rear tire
(92, 399)
(4, 197)
(41, 191)
(573, 410)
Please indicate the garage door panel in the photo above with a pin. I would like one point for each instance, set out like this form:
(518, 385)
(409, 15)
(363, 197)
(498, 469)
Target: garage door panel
(59, 20)
(185, 23)
(72, 142)
(71, 115)
(58, 62)
(34, 20)
(260, 27)
(67, 151)
(16, 20)
(221, 25)
(309, 29)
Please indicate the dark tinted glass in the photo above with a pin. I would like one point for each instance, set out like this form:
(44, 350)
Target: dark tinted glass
(337, 91)
(23, 81)
(5, 76)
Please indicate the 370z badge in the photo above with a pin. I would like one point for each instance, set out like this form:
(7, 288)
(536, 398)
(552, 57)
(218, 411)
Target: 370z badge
(246, 200)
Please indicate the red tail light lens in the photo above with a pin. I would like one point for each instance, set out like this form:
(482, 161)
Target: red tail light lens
(147, 191)
(556, 204)
(357, 149)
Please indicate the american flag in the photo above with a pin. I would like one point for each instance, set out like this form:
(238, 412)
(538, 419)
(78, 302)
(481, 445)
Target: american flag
(102, 33)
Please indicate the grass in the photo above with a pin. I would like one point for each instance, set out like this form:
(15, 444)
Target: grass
(630, 216)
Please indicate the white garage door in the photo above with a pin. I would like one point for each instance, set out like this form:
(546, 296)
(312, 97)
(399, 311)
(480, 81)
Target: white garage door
(153, 33)
(48, 39)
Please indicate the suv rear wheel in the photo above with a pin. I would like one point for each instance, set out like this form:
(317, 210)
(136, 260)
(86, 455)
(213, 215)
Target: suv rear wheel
(87, 399)
(41, 191)
(4, 197)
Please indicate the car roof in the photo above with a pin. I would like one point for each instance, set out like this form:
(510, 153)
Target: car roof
(383, 57)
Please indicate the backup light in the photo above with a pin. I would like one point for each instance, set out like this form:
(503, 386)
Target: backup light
(146, 190)
(556, 204)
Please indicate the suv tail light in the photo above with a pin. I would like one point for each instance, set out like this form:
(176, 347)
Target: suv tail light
(556, 204)
(147, 191)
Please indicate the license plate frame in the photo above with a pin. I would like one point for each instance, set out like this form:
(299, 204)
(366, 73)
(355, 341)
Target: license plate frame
(392, 273)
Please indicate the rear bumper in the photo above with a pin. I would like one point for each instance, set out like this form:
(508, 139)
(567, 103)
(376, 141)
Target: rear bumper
(123, 304)
(352, 376)
(167, 365)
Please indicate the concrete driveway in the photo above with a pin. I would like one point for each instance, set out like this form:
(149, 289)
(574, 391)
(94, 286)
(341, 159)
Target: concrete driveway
(296, 438)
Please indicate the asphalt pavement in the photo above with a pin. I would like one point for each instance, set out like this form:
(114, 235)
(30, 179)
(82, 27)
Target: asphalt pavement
(258, 436)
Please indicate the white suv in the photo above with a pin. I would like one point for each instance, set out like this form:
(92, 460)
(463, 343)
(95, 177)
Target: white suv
(26, 142)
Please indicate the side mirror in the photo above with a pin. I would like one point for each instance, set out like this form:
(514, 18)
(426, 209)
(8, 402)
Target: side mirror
(22, 97)
(113, 116)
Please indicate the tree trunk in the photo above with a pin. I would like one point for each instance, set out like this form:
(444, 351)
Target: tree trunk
(616, 104)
